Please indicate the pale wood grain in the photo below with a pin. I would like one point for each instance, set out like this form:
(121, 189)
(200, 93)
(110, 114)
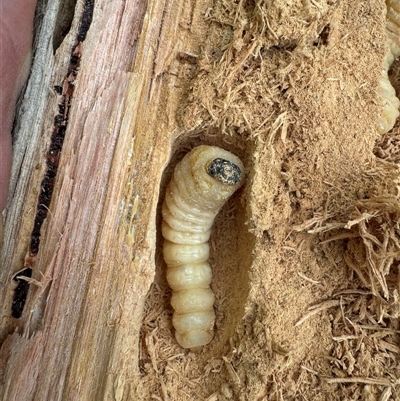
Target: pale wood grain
(79, 332)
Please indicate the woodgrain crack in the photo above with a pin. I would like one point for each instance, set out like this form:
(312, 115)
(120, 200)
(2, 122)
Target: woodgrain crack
(66, 91)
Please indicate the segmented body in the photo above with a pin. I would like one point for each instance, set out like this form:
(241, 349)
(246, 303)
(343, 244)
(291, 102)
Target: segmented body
(390, 102)
(202, 182)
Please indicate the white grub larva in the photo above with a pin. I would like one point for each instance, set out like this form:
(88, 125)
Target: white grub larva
(202, 182)
(387, 94)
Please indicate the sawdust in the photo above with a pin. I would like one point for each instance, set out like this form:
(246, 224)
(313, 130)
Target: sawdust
(306, 256)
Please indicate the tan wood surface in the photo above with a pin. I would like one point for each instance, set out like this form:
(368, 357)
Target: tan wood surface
(94, 265)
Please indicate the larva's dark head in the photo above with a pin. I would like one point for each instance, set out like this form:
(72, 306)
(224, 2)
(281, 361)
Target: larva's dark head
(224, 171)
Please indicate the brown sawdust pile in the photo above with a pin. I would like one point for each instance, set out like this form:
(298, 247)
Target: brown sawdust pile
(306, 257)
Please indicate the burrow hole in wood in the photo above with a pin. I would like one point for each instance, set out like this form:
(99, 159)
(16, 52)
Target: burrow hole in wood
(231, 247)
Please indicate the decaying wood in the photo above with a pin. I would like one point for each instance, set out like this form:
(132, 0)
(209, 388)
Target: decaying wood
(71, 338)
(288, 86)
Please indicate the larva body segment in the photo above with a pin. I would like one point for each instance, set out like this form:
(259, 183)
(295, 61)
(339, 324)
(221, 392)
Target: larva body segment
(387, 94)
(201, 183)
(389, 102)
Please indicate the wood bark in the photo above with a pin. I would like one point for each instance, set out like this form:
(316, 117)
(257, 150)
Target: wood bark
(75, 338)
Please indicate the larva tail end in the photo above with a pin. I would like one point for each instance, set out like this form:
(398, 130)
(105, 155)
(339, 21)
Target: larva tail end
(224, 171)
(194, 339)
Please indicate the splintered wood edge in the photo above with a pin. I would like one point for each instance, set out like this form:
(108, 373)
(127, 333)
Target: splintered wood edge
(96, 256)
